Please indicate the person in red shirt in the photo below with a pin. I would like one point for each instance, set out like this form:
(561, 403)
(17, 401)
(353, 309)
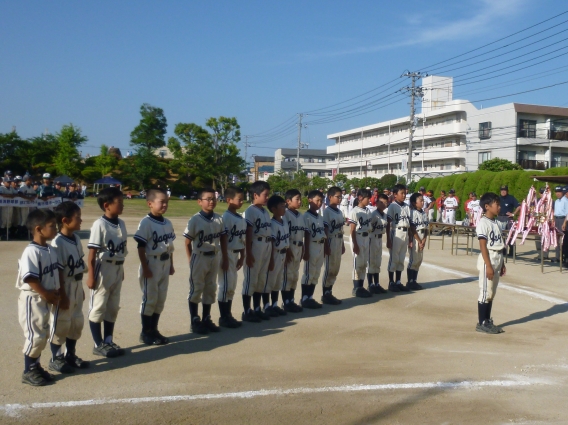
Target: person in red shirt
(374, 197)
(440, 206)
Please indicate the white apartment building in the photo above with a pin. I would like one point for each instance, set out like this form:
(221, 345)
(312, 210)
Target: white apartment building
(453, 136)
(314, 162)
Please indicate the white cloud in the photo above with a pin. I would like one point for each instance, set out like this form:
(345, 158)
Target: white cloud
(485, 16)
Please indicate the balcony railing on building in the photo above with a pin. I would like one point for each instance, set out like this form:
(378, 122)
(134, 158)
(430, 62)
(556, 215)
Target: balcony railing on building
(532, 164)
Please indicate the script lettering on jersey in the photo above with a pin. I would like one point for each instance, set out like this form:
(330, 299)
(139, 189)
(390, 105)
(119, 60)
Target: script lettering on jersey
(165, 238)
(47, 270)
(294, 229)
(203, 238)
(80, 264)
(119, 248)
(494, 238)
(363, 223)
(316, 230)
(335, 225)
(234, 233)
(281, 237)
(378, 226)
(259, 224)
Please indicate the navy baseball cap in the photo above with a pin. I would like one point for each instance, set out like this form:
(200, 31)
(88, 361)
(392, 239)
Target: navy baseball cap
(559, 189)
(504, 187)
(452, 191)
(542, 189)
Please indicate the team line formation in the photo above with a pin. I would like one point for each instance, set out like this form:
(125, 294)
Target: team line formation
(268, 242)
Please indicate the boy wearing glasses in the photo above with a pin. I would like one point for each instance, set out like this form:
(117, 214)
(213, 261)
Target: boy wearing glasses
(205, 238)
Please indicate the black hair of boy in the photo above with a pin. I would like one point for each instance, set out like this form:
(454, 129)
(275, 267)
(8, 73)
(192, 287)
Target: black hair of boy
(398, 187)
(108, 195)
(384, 197)
(314, 194)
(258, 187)
(333, 190)
(231, 192)
(274, 201)
(39, 218)
(65, 209)
(152, 193)
(365, 193)
(414, 197)
(487, 199)
(291, 193)
(200, 192)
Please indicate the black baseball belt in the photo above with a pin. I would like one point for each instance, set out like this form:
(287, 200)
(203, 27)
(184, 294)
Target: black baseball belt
(163, 256)
(78, 277)
(264, 239)
(298, 243)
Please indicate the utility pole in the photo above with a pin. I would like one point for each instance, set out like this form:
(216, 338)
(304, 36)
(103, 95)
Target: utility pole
(247, 144)
(299, 142)
(414, 93)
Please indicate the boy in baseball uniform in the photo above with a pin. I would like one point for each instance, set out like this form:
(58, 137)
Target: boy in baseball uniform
(450, 207)
(378, 228)
(107, 252)
(68, 323)
(490, 261)
(344, 203)
(315, 238)
(398, 227)
(333, 221)
(360, 226)
(281, 255)
(155, 238)
(206, 249)
(419, 220)
(295, 221)
(227, 280)
(258, 252)
(40, 294)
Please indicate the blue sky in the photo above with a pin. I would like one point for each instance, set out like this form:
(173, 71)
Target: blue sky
(94, 63)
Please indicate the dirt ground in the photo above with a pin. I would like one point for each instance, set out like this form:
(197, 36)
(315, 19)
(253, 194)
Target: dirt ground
(395, 358)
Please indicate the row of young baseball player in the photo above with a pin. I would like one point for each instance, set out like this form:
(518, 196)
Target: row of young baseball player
(270, 249)
(13, 220)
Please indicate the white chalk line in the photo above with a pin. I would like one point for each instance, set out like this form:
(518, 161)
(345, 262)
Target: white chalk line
(15, 409)
(518, 289)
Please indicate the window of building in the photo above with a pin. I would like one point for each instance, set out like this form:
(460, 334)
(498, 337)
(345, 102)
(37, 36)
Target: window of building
(448, 144)
(162, 153)
(527, 155)
(485, 130)
(484, 156)
(527, 128)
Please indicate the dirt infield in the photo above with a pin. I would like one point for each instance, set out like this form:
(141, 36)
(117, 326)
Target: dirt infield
(409, 358)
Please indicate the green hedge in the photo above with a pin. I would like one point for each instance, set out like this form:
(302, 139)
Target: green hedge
(481, 182)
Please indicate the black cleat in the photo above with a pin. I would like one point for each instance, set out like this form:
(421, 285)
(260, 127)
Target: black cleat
(361, 292)
(329, 298)
(105, 350)
(251, 317)
(280, 311)
(148, 338)
(393, 287)
(311, 303)
(60, 365)
(402, 287)
(197, 327)
(271, 312)
(76, 362)
(34, 377)
(262, 315)
(211, 327)
(292, 307)
(413, 286)
(229, 322)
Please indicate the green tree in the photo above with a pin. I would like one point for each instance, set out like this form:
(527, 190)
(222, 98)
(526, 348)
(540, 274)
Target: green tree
(209, 155)
(105, 162)
(341, 180)
(141, 168)
(67, 160)
(39, 153)
(499, 164)
(151, 131)
(388, 181)
(11, 147)
(280, 182)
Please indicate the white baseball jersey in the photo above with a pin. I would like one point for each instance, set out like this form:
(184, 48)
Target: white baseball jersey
(473, 206)
(313, 224)
(8, 190)
(158, 236)
(108, 236)
(205, 232)
(236, 230)
(399, 214)
(69, 254)
(295, 225)
(345, 200)
(427, 201)
(451, 203)
(41, 263)
(378, 222)
(27, 190)
(489, 230)
(259, 219)
(362, 218)
(334, 221)
(419, 219)
(281, 233)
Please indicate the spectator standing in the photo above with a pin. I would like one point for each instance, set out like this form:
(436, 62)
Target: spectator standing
(560, 213)
(440, 206)
(509, 207)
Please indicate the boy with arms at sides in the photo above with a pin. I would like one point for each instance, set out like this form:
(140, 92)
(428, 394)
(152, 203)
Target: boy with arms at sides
(38, 282)
(378, 228)
(418, 219)
(333, 221)
(155, 237)
(281, 254)
(490, 261)
(236, 231)
(360, 226)
(398, 227)
(205, 238)
(107, 252)
(69, 322)
(258, 252)
(292, 269)
(315, 239)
